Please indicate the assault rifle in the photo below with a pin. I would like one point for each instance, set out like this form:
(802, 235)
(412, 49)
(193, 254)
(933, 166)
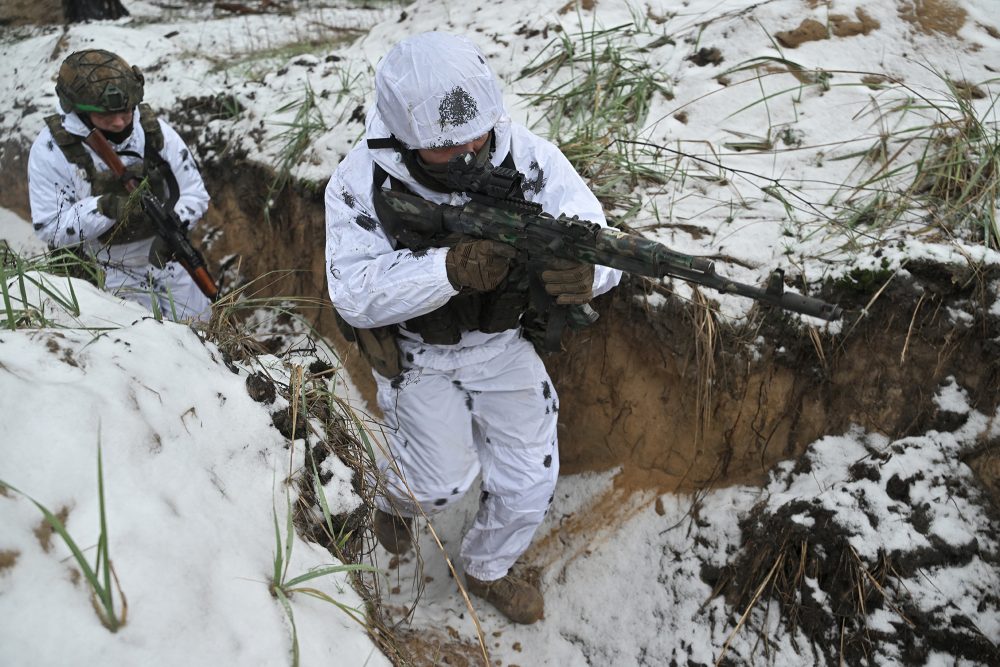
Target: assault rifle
(498, 211)
(168, 225)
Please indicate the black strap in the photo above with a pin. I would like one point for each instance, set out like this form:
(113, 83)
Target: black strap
(387, 142)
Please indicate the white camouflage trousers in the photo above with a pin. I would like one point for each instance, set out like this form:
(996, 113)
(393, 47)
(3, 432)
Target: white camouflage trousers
(176, 295)
(445, 427)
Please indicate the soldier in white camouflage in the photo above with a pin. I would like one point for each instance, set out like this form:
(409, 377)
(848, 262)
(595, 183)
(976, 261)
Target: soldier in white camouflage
(76, 201)
(464, 393)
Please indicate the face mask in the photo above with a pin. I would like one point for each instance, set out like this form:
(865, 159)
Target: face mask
(113, 137)
(119, 137)
(463, 172)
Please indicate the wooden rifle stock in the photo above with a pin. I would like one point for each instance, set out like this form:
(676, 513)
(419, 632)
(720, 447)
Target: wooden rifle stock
(168, 226)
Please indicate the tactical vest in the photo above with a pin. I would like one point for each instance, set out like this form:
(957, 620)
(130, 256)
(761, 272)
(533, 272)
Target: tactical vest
(489, 312)
(104, 182)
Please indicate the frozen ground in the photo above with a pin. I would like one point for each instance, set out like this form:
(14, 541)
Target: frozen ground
(625, 575)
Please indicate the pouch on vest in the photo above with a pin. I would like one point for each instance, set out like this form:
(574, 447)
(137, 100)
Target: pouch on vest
(377, 346)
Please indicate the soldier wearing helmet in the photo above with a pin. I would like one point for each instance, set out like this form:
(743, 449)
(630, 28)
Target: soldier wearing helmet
(77, 202)
(463, 392)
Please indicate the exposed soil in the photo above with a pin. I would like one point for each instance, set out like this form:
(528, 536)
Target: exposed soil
(44, 530)
(8, 558)
(800, 554)
(840, 25)
(651, 391)
(643, 390)
(810, 30)
(430, 648)
(942, 16)
(31, 12)
(677, 399)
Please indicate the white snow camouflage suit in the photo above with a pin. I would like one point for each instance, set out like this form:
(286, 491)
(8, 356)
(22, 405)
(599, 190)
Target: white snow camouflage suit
(485, 404)
(64, 213)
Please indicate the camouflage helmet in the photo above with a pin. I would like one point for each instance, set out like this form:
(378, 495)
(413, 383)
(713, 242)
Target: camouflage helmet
(98, 81)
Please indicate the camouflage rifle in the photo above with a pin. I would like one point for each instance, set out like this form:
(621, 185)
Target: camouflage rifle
(168, 226)
(497, 211)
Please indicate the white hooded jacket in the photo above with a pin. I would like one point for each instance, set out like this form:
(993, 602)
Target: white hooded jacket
(63, 210)
(371, 282)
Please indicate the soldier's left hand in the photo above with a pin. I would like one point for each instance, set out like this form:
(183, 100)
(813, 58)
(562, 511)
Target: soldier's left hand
(160, 253)
(572, 283)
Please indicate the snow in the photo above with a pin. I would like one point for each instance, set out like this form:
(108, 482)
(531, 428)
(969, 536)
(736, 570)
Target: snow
(193, 467)
(192, 471)
(18, 234)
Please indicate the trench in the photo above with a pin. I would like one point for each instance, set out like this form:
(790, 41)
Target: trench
(673, 396)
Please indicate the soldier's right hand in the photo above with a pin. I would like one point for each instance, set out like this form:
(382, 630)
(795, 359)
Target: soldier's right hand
(478, 264)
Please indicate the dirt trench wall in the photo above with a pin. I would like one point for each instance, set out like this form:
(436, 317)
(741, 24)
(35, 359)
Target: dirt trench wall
(653, 391)
(640, 390)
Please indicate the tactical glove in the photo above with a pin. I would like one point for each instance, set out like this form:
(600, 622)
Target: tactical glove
(478, 264)
(160, 253)
(570, 282)
(115, 206)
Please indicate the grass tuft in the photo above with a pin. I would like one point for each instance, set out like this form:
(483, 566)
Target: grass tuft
(101, 578)
(596, 88)
(306, 125)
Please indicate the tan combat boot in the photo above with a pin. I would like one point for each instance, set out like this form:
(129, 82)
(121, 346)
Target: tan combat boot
(393, 532)
(516, 597)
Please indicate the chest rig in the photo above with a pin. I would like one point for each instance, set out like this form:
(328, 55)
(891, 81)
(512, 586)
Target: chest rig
(161, 176)
(489, 312)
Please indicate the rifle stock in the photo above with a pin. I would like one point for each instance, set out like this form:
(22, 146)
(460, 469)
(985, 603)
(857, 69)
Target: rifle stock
(168, 226)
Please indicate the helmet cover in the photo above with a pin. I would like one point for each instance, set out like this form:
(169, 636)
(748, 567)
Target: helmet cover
(95, 80)
(435, 90)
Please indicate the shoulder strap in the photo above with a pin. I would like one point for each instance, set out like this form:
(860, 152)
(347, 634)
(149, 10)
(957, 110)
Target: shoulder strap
(386, 216)
(152, 159)
(71, 145)
(151, 128)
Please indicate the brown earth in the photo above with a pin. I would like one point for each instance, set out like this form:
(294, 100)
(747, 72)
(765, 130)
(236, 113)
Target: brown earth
(943, 16)
(31, 12)
(840, 25)
(676, 399)
(671, 395)
(8, 558)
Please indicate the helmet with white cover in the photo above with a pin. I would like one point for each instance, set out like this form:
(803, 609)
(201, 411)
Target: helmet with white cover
(435, 89)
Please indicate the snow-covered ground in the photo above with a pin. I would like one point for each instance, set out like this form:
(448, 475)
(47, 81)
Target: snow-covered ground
(193, 476)
(624, 574)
